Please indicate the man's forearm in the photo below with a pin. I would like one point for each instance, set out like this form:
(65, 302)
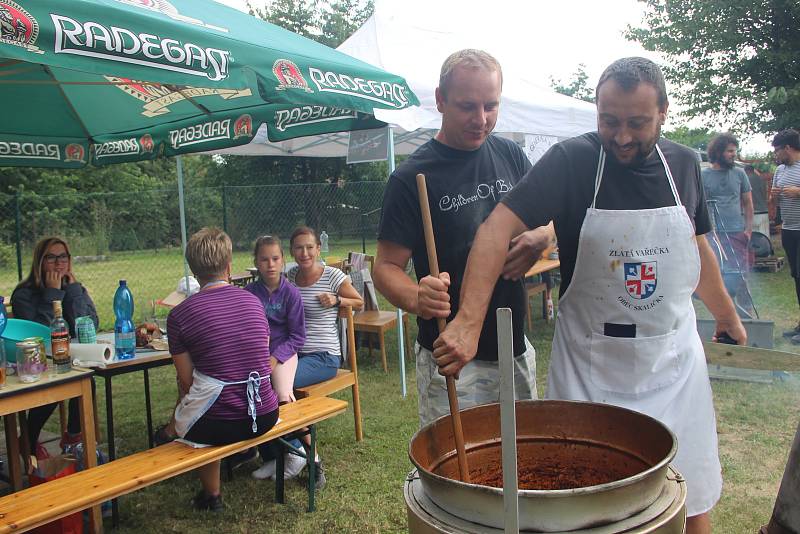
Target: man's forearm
(485, 263)
(711, 289)
(393, 283)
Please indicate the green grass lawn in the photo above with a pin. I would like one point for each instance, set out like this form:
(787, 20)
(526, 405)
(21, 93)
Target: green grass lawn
(756, 424)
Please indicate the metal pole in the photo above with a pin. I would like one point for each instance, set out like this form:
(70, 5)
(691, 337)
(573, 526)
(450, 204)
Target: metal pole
(508, 424)
(18, 223)
(182, 210)
(400, 336)
(225, 208)
(363, 233)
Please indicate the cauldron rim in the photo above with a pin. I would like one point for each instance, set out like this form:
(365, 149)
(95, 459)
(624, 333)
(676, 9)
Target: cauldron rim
(554, 494)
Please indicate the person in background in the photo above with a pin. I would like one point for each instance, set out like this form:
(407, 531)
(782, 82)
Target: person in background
(630, 216)
(786, 187)
(219, 341)
(283, 308)
(323, 290)
(50, 279)
(468, 172)
(729, 186)
(759, 190)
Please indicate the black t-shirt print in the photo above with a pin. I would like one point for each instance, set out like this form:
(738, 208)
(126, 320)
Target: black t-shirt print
(463, 189)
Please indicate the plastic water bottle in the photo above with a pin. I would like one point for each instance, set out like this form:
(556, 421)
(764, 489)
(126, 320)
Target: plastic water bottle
(124, 331)
(323, 240)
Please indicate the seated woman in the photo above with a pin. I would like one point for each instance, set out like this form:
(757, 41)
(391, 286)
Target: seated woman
(219, 341)
(284, 311)
(51, 278)
(323, 289)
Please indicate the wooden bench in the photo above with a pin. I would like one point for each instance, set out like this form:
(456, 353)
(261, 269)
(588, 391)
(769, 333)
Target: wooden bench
(42, 504)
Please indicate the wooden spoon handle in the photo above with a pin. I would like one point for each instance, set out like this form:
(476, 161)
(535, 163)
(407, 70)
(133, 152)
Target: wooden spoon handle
(433, 266)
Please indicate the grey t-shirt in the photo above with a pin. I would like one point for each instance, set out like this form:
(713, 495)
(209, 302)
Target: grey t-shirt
(726, 186)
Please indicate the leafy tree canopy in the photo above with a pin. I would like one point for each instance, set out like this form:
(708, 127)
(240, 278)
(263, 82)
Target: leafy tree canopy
(692, 137)
(576, 87)
(734, 61)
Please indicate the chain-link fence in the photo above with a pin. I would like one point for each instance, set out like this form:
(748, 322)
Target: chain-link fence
(137, 235)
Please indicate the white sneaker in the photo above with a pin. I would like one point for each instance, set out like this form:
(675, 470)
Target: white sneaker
(292, 466)
(265, 471)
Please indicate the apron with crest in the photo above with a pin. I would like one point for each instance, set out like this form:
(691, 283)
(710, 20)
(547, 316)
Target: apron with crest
(626, 332)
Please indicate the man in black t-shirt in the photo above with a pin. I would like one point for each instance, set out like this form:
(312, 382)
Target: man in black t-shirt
(468, 172)
(629, 214)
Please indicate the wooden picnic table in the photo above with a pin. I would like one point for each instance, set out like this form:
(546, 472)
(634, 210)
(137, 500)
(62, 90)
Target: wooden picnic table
(52, 387)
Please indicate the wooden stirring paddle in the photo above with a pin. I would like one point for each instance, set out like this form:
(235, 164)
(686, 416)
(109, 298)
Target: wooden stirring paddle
(433, 265)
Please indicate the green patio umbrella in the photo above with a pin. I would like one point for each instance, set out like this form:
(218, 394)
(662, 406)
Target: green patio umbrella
(108, 81)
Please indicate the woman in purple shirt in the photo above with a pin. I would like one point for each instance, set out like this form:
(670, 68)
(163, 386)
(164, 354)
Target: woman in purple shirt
(219, 341)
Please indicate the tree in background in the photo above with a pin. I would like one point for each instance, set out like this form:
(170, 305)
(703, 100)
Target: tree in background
(697, 138)
(733, 61)
(576, 87)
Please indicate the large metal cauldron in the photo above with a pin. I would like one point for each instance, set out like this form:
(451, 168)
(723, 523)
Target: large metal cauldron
(572, 436)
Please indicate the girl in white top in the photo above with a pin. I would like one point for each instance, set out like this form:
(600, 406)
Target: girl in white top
(323, 290)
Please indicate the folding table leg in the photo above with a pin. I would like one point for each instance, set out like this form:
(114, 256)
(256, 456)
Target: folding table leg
(148, 413)
(112, 449)
(12, 448)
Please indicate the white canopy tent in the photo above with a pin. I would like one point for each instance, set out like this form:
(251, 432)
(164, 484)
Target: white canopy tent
(399, 39)
(413, 39)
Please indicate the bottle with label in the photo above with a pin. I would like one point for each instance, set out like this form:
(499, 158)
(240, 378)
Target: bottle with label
(124, 331)
(59, 340)
(323, 242)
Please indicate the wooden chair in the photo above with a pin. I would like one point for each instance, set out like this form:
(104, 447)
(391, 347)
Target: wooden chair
(344, 377)
(533, 288)
(378, 322)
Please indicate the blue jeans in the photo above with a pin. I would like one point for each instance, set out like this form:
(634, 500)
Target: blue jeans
(312, 368)
(315, 367)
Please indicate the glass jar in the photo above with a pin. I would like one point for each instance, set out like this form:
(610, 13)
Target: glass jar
(31, 361)
(42, 348)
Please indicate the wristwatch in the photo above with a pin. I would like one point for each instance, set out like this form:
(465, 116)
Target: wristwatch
(338, 301)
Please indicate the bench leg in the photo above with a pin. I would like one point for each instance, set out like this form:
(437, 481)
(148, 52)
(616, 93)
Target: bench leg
(280, 496)
(312, 468)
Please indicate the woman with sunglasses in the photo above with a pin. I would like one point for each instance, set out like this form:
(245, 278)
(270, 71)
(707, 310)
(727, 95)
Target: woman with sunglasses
(50, 279)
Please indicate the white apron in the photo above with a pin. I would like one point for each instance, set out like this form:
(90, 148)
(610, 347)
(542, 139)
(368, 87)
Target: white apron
(640, 267)
(203, 394)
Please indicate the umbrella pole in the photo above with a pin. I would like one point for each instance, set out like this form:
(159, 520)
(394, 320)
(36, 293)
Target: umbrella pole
(182, 211)
(400, 334)
(433, 267)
